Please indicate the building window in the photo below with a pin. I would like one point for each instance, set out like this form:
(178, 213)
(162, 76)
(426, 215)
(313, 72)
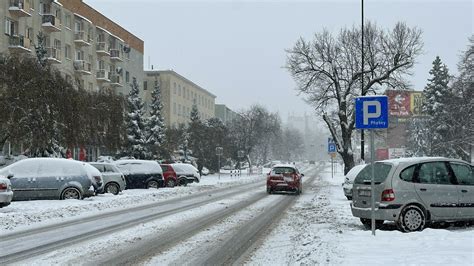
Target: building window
(174, 90)
(67, 21)
(10, 27)
(145, 85)
(29, 34)
(67, 51)
(127, 76)
(179, 90)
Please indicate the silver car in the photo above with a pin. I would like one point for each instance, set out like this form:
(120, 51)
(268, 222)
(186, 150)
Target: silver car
(413, 192)
(50, 178)
(6, 193)
(114, 180)
(349, 180)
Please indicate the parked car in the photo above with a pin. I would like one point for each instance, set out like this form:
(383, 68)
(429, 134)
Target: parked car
(6, 193)
(186, 173)
(169, 174)
(52, 178)
(205, 171)
(413, 192)
(113, 179)
(284, 177)
(141, 173)
(349, 180)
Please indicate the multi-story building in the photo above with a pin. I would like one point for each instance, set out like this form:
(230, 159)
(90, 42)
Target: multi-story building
(178, 94)
(90, 50)
(225, 114)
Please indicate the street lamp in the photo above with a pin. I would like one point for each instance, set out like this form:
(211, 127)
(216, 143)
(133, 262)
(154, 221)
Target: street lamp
(219, 152)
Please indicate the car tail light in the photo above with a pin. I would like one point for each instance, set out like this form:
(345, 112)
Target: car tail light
(388, 195)
(3, 186)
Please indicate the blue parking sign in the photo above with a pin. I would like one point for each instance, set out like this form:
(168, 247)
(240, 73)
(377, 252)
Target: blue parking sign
(371, 112)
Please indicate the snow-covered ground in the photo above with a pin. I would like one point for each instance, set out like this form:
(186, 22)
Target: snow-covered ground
(320, 229)
(21, 214)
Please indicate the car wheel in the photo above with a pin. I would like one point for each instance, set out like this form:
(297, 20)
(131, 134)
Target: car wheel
(412, 219)
(196, 180)
(349, 197)
(170, 183)
(183, 182)
(71, 193)
(112, 188)
(368, 223)
(152, 184)
(269, 190)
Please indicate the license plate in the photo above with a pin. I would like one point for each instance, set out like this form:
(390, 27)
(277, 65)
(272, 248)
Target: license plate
(288, 179)
(365, 193)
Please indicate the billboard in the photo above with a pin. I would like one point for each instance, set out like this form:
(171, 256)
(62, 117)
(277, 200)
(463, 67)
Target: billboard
(405, 104)
(416, 103)
(399, 103)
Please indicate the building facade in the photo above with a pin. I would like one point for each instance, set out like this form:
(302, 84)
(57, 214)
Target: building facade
(225, 114)
(178, 94)
(90, 50)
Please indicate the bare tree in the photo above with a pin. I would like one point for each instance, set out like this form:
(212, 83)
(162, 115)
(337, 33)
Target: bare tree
(328, 72)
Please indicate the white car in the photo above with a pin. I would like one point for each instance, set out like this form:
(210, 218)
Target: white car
(349, 180)
(6, 192)
(186, 173)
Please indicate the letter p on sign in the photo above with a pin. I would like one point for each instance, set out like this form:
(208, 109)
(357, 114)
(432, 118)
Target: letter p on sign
(371, 112)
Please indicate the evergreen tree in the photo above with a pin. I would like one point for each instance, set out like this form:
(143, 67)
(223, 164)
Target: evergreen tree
(155, 124)
(135, 124)
(40, 49)
(437, 97)
(196, 133)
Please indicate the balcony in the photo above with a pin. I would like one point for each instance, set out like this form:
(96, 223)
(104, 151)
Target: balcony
(102, 49)
(19, 8)
(116, 55)
(18, 44)
(103, 75)
(116, 81)
(81, 38)
(51, 23)
(82, 67)
(53, 55)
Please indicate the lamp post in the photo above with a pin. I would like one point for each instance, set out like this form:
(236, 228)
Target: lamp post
(219, 152)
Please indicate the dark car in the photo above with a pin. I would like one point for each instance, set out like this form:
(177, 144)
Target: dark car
(169, 175)
(141, 173)
(284, 177)
(186, 173)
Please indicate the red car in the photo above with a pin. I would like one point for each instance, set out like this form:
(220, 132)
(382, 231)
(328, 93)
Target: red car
(284, 177)
(169, 175)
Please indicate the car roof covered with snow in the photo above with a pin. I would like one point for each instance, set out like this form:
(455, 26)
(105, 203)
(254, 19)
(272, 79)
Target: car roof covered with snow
(285, 165)
(413, 160)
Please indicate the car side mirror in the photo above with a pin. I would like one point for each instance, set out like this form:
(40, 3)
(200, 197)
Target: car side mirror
(302, 174)
(10, 176)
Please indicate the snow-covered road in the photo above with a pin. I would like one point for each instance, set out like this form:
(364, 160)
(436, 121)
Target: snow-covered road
(228, 220)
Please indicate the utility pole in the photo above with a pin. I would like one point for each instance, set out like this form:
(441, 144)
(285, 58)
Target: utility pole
(362, 141)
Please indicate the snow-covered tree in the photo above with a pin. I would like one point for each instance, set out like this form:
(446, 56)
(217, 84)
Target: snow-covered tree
(40, 49)
(419, 136)
(196, 133)
(438, 95)
(155, 124)
(135, 123)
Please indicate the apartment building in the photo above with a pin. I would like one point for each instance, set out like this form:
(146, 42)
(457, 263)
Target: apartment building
(225, 114)
(178, 95)
(90, 50)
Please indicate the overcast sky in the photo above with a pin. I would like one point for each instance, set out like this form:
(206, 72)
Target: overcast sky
(235, 49)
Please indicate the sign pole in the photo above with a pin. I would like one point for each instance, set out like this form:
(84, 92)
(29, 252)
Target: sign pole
(219, 165)
(372, 181)
(332, 166)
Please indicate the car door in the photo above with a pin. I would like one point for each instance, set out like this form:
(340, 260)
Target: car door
(50, 178)
(464, 174)
(23, 179)
(436, 189)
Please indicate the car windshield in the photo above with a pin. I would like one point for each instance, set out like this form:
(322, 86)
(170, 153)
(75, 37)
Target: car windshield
(283, 171)
(381, 171)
